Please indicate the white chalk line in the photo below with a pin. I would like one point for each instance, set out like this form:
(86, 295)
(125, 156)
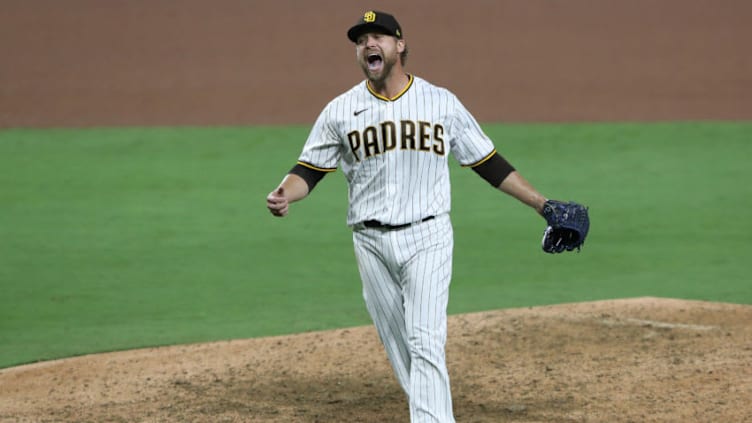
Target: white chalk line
(656, 324)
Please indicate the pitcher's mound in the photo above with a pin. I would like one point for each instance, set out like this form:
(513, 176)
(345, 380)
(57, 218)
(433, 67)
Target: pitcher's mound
(636, 360)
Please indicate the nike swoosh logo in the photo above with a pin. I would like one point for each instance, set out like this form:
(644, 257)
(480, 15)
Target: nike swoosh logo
(357, 112)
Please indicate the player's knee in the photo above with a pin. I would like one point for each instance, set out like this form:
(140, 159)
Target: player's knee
(427, 346)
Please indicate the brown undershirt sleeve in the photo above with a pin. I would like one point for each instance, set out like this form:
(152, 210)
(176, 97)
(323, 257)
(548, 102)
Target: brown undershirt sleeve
(311, 176)
(494, 170)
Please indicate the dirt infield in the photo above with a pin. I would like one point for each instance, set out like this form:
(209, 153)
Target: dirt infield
(638, 360)
(84, 63)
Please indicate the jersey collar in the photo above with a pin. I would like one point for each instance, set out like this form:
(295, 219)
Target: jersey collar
(399, 94)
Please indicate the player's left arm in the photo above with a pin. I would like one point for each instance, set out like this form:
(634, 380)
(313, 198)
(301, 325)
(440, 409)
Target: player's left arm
(518, 187)
(568, 223)
(497, 171)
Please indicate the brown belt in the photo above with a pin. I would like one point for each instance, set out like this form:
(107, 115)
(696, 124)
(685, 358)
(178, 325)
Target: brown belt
(379, 225)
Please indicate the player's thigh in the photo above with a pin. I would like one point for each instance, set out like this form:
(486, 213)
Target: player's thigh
(426, 280)
(381, 288)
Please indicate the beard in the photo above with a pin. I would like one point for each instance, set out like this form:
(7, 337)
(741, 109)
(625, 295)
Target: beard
(378, 71)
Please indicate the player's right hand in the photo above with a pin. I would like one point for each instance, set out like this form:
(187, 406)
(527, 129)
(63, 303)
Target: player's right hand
(277, 203)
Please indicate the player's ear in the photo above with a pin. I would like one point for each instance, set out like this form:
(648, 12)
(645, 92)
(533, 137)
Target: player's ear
(400, 45)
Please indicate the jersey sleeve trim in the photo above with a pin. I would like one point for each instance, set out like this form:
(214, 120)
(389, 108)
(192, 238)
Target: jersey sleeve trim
(320, 169)
(483, 160)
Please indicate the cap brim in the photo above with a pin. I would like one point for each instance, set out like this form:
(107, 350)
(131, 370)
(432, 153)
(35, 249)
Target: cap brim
(360, 29)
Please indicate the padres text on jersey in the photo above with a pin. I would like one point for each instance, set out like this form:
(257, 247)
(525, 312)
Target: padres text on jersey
(394, 151)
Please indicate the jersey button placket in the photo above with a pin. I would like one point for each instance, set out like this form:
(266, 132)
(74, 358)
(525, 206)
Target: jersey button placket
(391, 174)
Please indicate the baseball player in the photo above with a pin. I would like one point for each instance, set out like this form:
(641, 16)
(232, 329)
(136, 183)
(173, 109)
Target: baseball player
(392, 136)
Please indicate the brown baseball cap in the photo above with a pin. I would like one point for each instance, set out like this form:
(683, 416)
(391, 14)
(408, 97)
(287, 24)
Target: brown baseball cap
(375, 21)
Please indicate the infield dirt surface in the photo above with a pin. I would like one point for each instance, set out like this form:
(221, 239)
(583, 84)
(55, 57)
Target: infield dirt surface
(637, 360)
(82, 63)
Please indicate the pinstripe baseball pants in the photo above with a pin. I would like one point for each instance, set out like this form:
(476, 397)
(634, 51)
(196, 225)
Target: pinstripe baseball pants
(406, 274)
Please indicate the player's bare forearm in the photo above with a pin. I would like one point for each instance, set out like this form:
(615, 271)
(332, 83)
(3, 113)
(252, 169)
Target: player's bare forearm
(291, 189)
(295, 187)
(518, 187)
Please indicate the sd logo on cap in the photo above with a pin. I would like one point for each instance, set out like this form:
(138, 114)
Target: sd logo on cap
(375, 21)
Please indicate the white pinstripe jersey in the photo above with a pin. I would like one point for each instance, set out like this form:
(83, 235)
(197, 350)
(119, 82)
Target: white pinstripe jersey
(394, 152)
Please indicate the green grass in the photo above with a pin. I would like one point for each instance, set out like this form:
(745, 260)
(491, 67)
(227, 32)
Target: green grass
(667, 203)
(122, 238)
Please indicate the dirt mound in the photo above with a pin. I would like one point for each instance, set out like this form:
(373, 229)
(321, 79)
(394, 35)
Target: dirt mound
(636, 360)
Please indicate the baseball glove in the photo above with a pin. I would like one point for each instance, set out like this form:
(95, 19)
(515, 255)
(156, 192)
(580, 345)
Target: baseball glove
(568, 225)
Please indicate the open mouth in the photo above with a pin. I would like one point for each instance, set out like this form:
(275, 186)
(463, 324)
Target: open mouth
(374, 61)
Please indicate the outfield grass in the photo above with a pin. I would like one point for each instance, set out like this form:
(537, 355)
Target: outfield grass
(122, 238)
